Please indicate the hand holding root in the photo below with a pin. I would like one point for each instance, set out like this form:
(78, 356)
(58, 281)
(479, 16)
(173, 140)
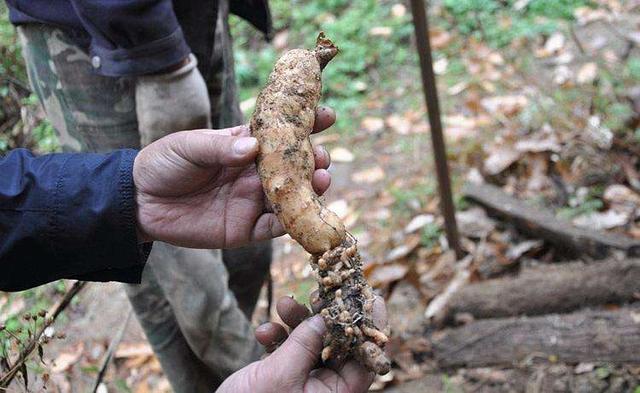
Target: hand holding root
(282, 122)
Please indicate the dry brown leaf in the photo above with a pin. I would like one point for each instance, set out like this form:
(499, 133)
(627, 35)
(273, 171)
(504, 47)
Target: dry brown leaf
(67, 359)
(398, 10)
(440, 66)
(475, 223)
(618, 194)
(340, 207)
(386, 274)
(16, 305)
(507, 105)
(369, 175)
(340, 154)
(500, 158)
(380, 31)
(399, 124)
(372, 124)
(553, 45)
(602, 220)
(587, 73)
(439, 38)
(281, 40)
(418, 222)
(128, 350)
(321, 139)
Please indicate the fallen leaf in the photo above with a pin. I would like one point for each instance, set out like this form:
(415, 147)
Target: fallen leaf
(598, 134)
(369, 175)
(587, 73)
(583, 368)
(562, 75)
(403, 250)
(534, 145)
(399, 124)
(248, 104)
(538, 167)
(321, 139)
(439, 38)
(602, 220)
(128, 350)
(340, 207)
(65, 360)
(440, 66)
(554, 44)
(380, 31)
(372, 124)
(385, 274)
(418, 222)
(618, 194)
(515, 251)
(475, 223)
(500, 158)
(340, 154)
(281, 40)
(507, 105)
(398, 10)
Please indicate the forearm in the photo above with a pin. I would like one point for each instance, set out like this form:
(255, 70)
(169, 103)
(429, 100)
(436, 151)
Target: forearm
(67, 216)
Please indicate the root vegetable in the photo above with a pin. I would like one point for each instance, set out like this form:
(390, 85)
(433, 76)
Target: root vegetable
(282, 122)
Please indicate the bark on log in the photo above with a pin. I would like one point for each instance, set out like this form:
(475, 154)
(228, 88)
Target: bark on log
(549, 289)
(592, 336)
(540, 222)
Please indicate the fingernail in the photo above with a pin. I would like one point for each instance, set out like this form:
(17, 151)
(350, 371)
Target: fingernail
(245, 145)
(317, 324)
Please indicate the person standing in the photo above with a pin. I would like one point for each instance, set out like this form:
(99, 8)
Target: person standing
(121, 75)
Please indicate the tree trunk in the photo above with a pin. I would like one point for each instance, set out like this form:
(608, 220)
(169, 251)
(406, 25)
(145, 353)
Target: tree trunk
(549, 289)
(592, 336)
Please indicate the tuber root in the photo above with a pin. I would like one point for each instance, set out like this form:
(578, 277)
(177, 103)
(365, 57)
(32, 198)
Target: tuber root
(282, 122)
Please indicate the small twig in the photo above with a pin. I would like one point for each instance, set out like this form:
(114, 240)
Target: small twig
(577, 41)
(6, 379)
(110, 351)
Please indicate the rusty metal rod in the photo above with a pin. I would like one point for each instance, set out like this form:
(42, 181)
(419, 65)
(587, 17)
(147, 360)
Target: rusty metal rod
(421, 27)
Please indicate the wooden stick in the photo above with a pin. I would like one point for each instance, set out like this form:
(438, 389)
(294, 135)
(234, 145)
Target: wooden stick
(540, 222)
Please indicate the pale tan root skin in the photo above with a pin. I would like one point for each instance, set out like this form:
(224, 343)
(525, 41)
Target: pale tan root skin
(282, 122)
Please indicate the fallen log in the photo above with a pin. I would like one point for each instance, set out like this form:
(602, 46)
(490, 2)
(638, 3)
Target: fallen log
(590, 336)
(549, 289)
(540, 222)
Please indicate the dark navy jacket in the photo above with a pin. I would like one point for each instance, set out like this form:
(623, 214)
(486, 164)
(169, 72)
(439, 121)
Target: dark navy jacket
(136, 37)
(68, 216)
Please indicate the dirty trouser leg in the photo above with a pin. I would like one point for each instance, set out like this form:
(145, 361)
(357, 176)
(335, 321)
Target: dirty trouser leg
(94, 113)
(248, 267)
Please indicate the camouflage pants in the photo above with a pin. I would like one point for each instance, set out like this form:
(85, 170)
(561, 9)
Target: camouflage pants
(193, 308)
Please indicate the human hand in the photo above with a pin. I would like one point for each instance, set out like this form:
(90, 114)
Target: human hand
(200, 188)
(294, 365)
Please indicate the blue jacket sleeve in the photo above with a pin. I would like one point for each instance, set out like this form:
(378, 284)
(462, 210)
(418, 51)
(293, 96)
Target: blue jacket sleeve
(132, 37)
(68, 216)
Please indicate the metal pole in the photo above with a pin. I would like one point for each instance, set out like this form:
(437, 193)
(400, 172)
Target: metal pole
(421, 27)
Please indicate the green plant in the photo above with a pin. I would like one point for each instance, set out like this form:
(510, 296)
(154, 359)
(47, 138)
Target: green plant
(430, 235)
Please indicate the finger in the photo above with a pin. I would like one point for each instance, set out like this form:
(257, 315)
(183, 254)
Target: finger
(298, 355)
(357, 378)
(325, 117)
(267, 227)
(209, 149)
(291, 312)
(322, 157)
(271, 335)
(321, 181)
(317, 303)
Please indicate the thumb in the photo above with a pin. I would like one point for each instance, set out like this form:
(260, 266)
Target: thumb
(300, 353)
(209, 149)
